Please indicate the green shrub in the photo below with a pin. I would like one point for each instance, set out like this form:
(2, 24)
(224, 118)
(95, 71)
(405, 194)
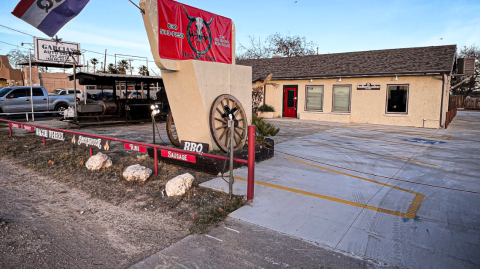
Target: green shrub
(263, 129)
(266, 108)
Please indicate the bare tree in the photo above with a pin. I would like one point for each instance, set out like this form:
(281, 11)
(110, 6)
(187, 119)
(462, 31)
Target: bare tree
(256, 49)
(276, 44)
(16, 56)
(473, 82)
(290, 46)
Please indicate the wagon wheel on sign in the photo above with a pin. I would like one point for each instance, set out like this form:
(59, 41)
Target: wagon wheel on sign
(222, 107)
(200, 40)
(172, 131)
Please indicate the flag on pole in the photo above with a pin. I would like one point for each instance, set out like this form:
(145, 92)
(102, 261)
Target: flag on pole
(48, 16)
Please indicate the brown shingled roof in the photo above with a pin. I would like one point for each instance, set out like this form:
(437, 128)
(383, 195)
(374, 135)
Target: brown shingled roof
(436, 59)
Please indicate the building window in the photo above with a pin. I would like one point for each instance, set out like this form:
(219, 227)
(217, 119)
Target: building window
(314, 100)
(397, 98)
(341, 98)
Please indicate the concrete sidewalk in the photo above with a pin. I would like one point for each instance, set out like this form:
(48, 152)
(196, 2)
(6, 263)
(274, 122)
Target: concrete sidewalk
(404, 196)
(238, 244)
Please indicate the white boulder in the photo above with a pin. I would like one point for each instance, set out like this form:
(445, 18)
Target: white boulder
(137, 173)
(98, 162)
(179, 184)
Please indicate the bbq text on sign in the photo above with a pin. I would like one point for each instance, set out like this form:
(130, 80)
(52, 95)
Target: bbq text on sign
(50, 134)
(368, 86)
(137, 148)
(90, 142)
(188, 33)
(194, 146)
(178, 156)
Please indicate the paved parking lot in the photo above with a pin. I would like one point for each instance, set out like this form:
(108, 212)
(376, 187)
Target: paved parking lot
(405, 196)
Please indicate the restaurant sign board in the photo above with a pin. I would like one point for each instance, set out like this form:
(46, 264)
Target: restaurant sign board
(368, 86)
(189, 33)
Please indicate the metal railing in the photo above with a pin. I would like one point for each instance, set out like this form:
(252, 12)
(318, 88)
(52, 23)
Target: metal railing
(250, 162)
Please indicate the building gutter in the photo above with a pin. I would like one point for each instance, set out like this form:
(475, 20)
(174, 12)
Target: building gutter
(429, 73)
(441, 103)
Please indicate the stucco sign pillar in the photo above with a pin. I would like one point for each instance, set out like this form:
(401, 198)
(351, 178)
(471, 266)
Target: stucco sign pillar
(195, 51)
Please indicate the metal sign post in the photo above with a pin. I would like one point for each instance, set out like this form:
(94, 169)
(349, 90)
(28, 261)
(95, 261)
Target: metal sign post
(31, 87)
(231, 125)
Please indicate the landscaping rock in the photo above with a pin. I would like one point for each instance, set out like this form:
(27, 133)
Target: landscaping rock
(98, 162)
(179, 185)
(137, 173)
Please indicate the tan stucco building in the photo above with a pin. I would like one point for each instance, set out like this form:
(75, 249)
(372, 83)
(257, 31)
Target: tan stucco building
(404, 87)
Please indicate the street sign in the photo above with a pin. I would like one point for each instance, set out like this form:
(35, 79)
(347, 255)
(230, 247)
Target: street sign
(179, 156)
(47, 50)
(91, 142)
(137, 148)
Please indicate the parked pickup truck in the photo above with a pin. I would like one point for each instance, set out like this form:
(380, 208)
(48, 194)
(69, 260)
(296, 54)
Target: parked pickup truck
(17, 100)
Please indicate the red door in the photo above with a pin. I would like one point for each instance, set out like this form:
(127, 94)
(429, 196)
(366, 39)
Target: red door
(290, 102)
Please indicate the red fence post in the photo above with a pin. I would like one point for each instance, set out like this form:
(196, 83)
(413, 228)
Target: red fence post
(91, 152)
(251, 162)
(10, 128)
(44, 142)
(155, 154)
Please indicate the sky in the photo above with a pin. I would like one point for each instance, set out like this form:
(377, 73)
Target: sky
(335, 26)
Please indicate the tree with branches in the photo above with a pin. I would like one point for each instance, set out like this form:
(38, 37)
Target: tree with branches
(276, 44)
(472, 83)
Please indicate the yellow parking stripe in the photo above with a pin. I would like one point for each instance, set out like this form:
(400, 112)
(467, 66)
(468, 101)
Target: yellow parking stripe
(411, 212)
(371, 153)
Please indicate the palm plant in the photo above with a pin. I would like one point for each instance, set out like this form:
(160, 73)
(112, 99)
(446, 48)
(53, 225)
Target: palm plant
(123, 66)
(263, 129)
(94, 61)
(143, 70)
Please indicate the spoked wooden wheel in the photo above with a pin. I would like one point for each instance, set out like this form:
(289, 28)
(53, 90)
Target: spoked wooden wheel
(172, 131)
(222, 107)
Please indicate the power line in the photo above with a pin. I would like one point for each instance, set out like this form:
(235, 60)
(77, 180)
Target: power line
(13, 45)
(17, 30)
(83, 49)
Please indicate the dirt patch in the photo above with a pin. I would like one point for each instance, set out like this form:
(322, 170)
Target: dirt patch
(50, 188)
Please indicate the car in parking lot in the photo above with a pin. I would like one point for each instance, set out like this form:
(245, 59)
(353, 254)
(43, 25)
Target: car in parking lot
(137, 95)
(63, 91)
(105, 96)
(19, 99)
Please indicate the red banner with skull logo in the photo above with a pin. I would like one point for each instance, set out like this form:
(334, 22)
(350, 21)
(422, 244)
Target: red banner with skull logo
(188, 33)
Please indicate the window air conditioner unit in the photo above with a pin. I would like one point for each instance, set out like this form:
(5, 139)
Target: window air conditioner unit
(466, 66)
